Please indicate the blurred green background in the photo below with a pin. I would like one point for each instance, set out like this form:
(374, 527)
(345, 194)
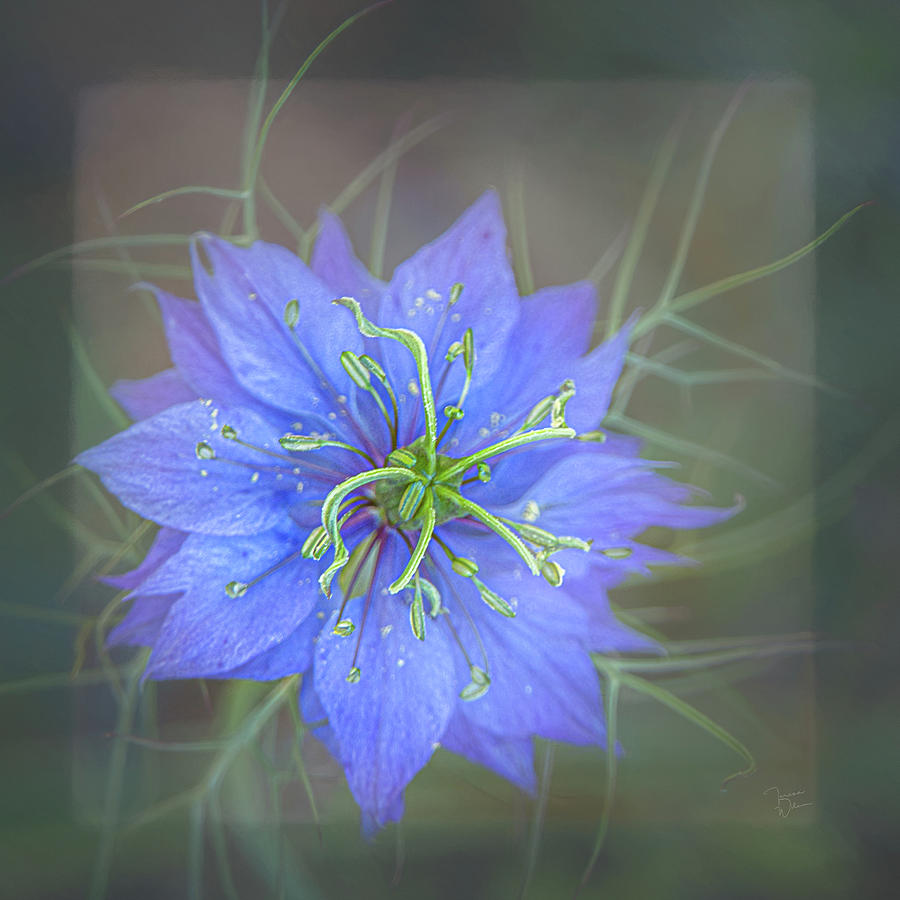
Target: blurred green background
(673, 834)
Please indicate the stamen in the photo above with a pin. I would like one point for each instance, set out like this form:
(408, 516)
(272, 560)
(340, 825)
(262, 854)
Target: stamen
(414, 344)
(361, 376)
(493, 599)
(236, 589)
(354, 674)
(230, 434)
(363, 551)
(291, 315)
(617, 552)
(417, 611)
(452, 300)
(475, 671)
(510, 443)
(379, 373)
(331, 507)
(429, 517)
(411, 501)
(492, 522)
(553, 572)
(467, 349)
(542, 538)
(478, 686)
(301, 443)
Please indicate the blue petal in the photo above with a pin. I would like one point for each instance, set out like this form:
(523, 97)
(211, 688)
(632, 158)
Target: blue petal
(293, 655)
(610, 499)
(544, 351)
(388, 724)
(209, 634)
(472, 252)
(153, 469)
(245, 300)
(334, 261)
(552, 333)
(145, 397)
(511, 759)
(542, 679)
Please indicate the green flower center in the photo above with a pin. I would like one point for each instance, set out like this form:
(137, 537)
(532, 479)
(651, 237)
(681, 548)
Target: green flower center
(402, 501)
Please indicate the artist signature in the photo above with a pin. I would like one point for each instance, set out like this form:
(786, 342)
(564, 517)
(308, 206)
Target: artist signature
(787, 802)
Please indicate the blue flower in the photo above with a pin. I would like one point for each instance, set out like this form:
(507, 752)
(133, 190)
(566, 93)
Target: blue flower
(400, 494)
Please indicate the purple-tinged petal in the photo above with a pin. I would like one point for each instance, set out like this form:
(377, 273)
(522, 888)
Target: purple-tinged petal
(595, 376)
(245, 299)
(154, 469)
(389, 722)
(195, 351)
(167, 543)
(312, 711)
(334, 261)
(473, 253)
(511, 759)
(142, 623)
(208, 633)
(145, 397)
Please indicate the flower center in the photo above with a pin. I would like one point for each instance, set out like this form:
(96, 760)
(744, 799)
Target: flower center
(402, 502)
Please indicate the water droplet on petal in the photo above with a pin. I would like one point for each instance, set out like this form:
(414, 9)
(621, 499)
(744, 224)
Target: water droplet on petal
(344, 628)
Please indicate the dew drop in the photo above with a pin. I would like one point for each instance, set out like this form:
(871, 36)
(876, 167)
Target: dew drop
(455, 317)
(401, 663)
(531, 511)
(432, 294)
(203, 473)
(413, 387)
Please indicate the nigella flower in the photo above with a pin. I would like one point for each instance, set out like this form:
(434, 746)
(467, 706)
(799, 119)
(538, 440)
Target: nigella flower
(401, 494)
